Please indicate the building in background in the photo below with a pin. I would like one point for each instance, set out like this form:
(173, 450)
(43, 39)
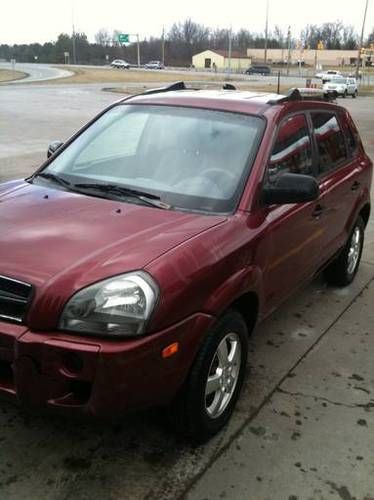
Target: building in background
(219, 59)
(307, 56)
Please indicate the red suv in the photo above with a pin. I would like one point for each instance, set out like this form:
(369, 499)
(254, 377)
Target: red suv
(135, 262)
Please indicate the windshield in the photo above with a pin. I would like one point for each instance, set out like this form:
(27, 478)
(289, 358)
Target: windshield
(339, 80)
(192, 159)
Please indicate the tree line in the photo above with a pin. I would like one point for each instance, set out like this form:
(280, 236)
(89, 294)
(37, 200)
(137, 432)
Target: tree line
(179, 44)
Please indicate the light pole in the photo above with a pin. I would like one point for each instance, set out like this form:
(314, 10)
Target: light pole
(266, 32)
(361, 39)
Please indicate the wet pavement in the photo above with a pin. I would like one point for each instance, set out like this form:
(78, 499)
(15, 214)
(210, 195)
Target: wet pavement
(304, 424)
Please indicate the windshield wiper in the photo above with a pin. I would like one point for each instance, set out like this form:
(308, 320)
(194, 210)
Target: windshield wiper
(53, 177)
(149, 198)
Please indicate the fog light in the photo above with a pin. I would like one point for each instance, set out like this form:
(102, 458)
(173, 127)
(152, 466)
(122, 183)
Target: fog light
(72, 362)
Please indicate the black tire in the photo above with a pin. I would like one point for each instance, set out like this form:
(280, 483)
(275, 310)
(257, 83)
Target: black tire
(354, 95)
(338, 273)
(189, 413)
(345, 94)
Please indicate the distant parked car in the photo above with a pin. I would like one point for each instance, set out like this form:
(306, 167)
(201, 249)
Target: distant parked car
(342, 87)
(154, 65)
(258, 70)
(326, 76)
(120, 64)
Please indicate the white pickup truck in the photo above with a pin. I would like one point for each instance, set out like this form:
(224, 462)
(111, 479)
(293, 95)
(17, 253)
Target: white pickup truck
(340, 86)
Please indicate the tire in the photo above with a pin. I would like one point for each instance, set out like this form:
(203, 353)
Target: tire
(343, 269)
(345, 94)
(199, 416)
(354, 95)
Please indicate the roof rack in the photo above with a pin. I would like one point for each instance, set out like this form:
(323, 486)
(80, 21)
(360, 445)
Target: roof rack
(228, 86)
(170, 88)
(177, 86)
(303, 94)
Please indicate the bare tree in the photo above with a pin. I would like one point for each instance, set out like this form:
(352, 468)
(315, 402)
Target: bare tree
(103, 37)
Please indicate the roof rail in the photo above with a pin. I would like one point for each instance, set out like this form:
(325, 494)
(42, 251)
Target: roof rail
(303, 94)
(174, 86)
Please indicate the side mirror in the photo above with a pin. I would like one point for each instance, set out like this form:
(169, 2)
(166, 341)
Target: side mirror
(291, 188)
(53, 147)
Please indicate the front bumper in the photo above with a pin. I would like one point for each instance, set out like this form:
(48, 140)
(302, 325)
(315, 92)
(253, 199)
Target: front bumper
(106, 378)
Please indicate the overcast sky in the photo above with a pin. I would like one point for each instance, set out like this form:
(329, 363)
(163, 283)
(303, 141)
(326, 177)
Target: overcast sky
(24, 21)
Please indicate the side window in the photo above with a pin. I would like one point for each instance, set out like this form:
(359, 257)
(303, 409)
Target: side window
(350, 136)
(292, 150)
(330, 141)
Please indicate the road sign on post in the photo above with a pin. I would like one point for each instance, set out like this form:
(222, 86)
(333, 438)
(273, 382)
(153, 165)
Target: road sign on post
(124, 38)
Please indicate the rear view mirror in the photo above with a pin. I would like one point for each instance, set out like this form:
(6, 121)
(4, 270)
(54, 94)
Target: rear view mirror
(291, 188)
(53, 147)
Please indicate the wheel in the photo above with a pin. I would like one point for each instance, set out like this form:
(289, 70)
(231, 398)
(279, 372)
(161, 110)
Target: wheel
(343, 269)
(345, 94)
(209, 395)
(354, 95)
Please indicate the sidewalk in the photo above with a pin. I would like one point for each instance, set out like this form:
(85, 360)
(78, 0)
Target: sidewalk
(315, 437)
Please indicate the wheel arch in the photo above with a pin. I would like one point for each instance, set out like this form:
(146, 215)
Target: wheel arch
(248, 306)
(365, 213)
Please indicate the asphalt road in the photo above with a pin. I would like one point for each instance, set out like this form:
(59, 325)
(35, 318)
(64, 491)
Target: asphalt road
(36, 72)
(304, 424)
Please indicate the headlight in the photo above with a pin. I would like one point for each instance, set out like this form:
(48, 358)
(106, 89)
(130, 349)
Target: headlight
(119, 306)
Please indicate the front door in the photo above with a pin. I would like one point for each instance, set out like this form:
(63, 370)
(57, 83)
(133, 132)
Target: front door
(293, 231)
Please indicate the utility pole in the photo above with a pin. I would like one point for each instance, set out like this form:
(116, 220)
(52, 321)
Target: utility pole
(137, 37)
(230, 46)
(266, 32)
(73, 35)
(163, 45)
(74, 47)
(288, 49)
(361, 39)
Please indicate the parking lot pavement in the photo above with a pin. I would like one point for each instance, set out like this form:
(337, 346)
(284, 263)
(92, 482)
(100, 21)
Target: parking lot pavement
(313, 437)
(31, 117)
(315, 350)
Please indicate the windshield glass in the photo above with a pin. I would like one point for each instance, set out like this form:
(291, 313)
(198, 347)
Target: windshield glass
(339, 80)
(193, 159)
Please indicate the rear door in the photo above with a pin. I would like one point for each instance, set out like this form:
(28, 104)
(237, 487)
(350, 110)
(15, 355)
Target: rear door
(337, 176)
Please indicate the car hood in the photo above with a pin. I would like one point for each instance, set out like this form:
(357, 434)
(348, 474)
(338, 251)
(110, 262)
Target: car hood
(51, 237)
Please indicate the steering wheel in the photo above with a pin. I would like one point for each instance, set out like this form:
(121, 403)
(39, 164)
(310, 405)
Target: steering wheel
(219, 176)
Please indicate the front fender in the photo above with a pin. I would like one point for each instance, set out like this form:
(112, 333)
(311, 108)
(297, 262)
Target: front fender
(246, 280)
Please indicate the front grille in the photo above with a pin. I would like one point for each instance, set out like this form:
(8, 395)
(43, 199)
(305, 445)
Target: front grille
(14, 299)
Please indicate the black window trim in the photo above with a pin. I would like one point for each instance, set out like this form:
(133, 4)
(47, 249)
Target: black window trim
(341, 163)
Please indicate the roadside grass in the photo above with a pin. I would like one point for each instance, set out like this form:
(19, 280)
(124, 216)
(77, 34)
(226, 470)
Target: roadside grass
(7, 75)
(111, 75)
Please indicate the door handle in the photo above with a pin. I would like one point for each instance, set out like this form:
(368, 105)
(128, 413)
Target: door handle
(318, 210)
(355, 186)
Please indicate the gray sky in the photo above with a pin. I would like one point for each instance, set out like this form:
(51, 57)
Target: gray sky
(24, 21)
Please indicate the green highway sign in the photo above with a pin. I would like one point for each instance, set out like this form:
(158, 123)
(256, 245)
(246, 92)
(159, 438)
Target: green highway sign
(124, 38)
